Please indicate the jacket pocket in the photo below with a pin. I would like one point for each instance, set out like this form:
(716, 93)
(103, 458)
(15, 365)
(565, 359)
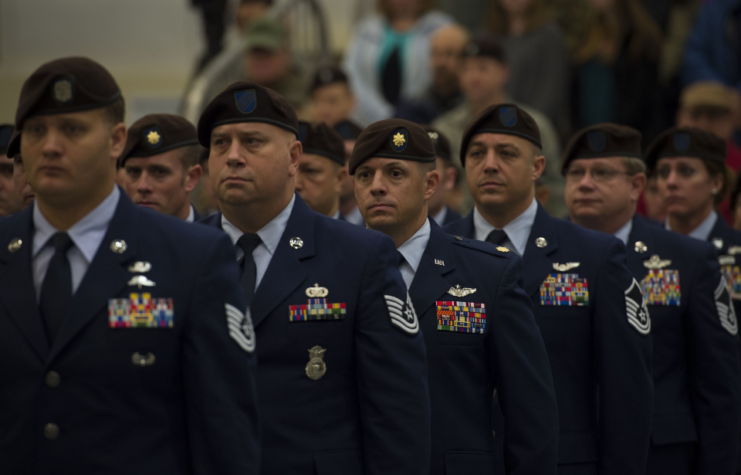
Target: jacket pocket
(469, 463)
(339, 462)
(577, 447)
(673, 428)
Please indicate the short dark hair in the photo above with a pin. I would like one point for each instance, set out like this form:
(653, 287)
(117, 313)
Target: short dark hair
(715, 169)
(115, 112)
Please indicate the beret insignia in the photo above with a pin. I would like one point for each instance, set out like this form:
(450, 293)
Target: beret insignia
(399, 140)
(597, 140)
(62, 91)
(153, 137)
(246, 101)
(681, 142)
(508, 116)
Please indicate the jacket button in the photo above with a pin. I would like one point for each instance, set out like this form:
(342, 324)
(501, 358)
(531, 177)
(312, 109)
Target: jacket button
(51, 431)
(52, 379)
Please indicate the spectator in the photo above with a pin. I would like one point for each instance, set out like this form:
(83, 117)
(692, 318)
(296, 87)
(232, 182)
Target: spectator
(349, 131)
(538, 56)
(330, 96)
(9, 200)
(388, 59)
(437, 205)
(444, 93)
(616, 68)
(653, 203)
(484, 77)
(249, 11)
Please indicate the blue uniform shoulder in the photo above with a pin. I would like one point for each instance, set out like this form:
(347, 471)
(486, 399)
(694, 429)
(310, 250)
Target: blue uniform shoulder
(573, 234)
(481, 246)
(685, 244)
(345, 232)
(176, 230)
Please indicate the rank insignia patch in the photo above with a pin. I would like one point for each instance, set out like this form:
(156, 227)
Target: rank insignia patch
(661, 287)
(726, 311)
(141, 311)
(564, 289)
(461, 317)
(733, 279)
(317, 310)
(402, 314)
(240, 327)
(636, 310)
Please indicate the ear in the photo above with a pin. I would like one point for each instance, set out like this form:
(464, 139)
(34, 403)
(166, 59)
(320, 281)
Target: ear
(432, 180)
(538, 166)
(295, 150)
(118, 140)
(341, 175)
(542, 194)
(192, 176)
(638, 184)
(449, 177)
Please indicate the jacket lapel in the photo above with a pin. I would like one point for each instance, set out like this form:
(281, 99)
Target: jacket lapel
(17, 291)
(429, 284)
(285, 272)
(106, 276)
(537, 261)
(464, 227)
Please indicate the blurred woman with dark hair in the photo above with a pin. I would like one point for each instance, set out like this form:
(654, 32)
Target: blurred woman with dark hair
(388, 58)
(616, 67)
(537, 54)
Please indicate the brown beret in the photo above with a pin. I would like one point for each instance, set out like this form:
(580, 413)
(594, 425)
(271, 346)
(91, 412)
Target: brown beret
(157, 133)
(348, 129)
(685, 142)
(246, 102)
(507, 119)
(440, 142)
(14, 146)
(603, 140)
(320, 139)
(6, 133)
(393, 138)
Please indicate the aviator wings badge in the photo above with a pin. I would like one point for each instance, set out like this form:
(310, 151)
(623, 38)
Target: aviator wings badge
(565, 267)
(458, 292)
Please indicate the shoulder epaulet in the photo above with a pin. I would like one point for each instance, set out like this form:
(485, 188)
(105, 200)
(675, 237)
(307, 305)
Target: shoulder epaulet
(480, 246)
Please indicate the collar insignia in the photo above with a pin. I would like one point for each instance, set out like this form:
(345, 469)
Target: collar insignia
(15, 245)
(438, 262)
(718, 243)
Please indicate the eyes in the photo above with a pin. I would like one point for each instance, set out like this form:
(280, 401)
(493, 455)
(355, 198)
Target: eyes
(599, 175)
(155, 172)
(366, 175)
(683, 170)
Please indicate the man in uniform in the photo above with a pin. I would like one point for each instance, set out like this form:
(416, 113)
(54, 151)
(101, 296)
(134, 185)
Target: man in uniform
(343, 373)
(9, 201)
(589, 307)
(437, 204)
(321, 168)
(161, 165)
(130, 350)
(476, 319)
(349, 131)
(697, 377)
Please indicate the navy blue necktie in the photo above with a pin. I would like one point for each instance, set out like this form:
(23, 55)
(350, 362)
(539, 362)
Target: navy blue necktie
(248, 243)
(497, 237)
(56, 291)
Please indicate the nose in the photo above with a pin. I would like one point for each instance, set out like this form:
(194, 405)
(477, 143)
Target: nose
(491, 162)
(143, 186)
(586, 182)
(234, 157)
(671, 180)
(52, 143)
(378, 186)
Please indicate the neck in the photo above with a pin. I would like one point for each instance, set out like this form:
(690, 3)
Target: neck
(184, 211)
(517, 24)
(436, 210)
(500, 216)
(348, 205)
(477, 107)
(610, 225)
(252, 217)
(334, 209)
(63, 217)
(687, 224)
(405, 233)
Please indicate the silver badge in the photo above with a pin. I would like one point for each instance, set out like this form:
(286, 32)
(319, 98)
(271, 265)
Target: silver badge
(118, 246)
(316, 367)
(141, 281)
(733, 250)
(718, 243)
(655, 262)
(726, 260)
(143, 360)
(640, 247)
(458, 238)
(15, 244)
(140, 267)
(541, 242)
(458, 292)
(296, 242)
(565, 267)
(317, 292)
(63, 91)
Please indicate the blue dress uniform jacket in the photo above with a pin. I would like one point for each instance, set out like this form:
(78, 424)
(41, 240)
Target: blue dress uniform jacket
(451, 217)
(727, 241)
(601, 363)
(369, 413)
(506, 352)
(149, 401)
(697, 382)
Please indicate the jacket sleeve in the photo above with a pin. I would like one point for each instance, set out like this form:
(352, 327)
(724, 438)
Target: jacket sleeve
(622, 349)
(523, 378)
(713, 357)
(218, 370)
(701, 40)
(392, 370)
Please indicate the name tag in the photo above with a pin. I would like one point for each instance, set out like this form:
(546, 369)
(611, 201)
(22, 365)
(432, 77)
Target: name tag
(564, 289)
(141, 311)
(317, 310)
(661, 287)
(461, 317)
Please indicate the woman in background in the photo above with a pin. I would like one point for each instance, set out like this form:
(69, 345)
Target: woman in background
(388, 58)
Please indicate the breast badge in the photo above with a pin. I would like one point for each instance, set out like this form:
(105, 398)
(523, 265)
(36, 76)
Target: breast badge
(140, 267)
(564, 290)
(316, 368)
(140, 281)
(317, 308)
(661, 287)
(141, 311)
(461, 317)
(655, 262)
(15, 245)
(458, 292)
(565, 267)
(732, 274)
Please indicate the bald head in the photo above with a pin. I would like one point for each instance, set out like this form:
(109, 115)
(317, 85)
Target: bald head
(447, 47)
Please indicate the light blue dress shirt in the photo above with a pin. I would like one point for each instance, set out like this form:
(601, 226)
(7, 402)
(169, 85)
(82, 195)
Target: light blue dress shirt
(270, 235)
(702, 232)
(624, 233)
(412, 251)
(518, 230)
(354, 217)
(87, 234)
(440, 217)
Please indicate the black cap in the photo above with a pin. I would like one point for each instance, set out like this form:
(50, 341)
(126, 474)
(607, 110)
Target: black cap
(603, 140)
(327, 75)
(6, 133)
(507, 119)
(246, 102)
(485, 46)
(440, 142)
(393, 138)
(686, 142)
(348, 129)
(65, 85)
(320, 139)
(157, 133)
